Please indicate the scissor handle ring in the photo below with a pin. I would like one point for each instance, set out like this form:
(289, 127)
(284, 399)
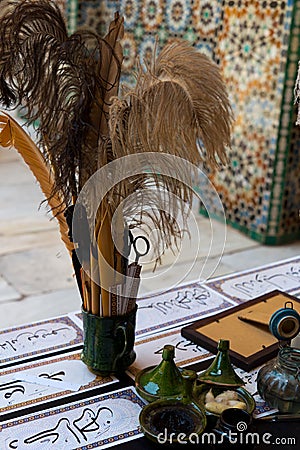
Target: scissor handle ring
(138, 254)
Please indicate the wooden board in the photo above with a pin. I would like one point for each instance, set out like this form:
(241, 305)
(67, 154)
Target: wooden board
(251, 342)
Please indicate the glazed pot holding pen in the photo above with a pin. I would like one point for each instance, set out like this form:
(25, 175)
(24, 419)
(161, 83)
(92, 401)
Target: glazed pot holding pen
(108, 342)
(109, 329)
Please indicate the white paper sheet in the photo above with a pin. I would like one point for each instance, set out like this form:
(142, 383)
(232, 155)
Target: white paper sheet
(178, 306)
(246, 285)
(51, 378)
(38, 339)
(100, 421)
(149, 350)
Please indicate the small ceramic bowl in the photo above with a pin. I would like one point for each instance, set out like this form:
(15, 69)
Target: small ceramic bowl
(170, 421)
(202, 389)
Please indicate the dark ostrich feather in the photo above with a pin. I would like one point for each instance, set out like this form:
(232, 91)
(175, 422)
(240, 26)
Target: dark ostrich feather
(62, 82)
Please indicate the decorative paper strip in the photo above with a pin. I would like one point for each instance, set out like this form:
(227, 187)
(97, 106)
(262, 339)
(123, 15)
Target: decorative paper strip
(246, 285)
(101, 421)
(163, 310)
(76, 316)
(262, 408)
(149, 350)
(37, 339)
(46, 380)
(296, 293)
(166, 309)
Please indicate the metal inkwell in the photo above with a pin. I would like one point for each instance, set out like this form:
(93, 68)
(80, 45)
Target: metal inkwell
(173, 415)
(278, 382)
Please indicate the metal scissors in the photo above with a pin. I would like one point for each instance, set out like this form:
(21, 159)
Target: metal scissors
(132, 242)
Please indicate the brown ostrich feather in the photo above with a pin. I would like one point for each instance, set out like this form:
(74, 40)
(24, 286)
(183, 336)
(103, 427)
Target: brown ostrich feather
(64, 82)
(180, 107)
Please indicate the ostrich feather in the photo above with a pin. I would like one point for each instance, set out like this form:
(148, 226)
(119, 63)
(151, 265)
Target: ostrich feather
(63, 83)
(180, 107)
(13, 135)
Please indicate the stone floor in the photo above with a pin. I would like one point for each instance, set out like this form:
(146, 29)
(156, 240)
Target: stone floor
(36, 276)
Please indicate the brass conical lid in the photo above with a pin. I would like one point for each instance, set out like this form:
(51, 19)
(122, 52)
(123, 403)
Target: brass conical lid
(221, 372)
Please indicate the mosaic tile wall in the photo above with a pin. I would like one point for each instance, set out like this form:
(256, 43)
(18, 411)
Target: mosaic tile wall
(69, 9)
(256, 44)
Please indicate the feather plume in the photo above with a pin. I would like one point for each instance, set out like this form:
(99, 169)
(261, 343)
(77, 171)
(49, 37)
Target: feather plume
(69, 86)
(65, 83)
(178, 103)
(61, 81)
(13, 135)
(179, 106)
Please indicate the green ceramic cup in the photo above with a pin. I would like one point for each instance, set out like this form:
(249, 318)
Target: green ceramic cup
(108, 342)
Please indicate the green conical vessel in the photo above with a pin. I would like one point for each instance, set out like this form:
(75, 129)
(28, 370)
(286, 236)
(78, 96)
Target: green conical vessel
(174, 417)
(164, 380)
(221, 372)
(189, 377)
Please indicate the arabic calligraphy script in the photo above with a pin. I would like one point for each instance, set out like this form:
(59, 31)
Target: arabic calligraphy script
(71, 432)
(11, 388)
(75, 426)
(184, 346)
(19, 342)
(255, 284)
(16, 391)
(184, 299)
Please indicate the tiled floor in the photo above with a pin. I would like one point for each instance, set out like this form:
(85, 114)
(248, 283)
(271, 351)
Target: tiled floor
(36, 276)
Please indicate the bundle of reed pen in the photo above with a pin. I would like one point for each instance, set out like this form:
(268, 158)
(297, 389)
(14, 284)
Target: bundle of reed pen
(68, 87)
